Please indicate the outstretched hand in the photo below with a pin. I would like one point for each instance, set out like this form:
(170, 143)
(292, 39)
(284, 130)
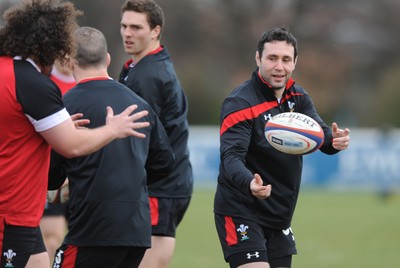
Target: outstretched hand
(341, 138)
(258, 189)
(124, 124)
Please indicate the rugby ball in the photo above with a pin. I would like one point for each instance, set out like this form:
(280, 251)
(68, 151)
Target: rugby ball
(294, 133)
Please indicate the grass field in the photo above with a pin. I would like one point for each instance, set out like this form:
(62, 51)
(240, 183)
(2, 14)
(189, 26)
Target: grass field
(332, 229)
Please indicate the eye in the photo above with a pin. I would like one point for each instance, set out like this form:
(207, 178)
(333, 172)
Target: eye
(287, 59)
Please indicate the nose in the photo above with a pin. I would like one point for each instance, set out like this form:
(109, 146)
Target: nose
(125, 31)
(279, 65)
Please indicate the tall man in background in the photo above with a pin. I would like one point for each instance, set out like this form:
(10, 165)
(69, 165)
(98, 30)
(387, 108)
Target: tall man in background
(32, 117)
(258, 186)
(150, 73)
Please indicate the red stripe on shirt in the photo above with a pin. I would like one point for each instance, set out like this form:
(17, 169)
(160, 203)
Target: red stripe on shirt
(94, 79)
(251, 112)
(155, 51)
(246, 114)
(127, 63)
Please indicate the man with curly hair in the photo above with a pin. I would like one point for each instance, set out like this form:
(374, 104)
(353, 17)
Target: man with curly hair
(33, 116)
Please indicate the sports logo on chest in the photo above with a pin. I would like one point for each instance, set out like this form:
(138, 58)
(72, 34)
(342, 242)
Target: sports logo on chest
(267, 117)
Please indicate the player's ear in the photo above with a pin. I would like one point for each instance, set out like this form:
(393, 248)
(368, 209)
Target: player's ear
(108, 61)
(258, 60)
(156, 32)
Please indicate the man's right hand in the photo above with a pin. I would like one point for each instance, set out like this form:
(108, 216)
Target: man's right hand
(124, 124)
(257, 188)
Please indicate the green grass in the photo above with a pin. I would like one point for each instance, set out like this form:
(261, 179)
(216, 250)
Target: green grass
(332, 229)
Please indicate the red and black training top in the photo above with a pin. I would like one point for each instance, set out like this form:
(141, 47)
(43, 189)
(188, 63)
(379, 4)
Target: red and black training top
(244, 151)
(154, 79)
(108, 204)
(30, 103)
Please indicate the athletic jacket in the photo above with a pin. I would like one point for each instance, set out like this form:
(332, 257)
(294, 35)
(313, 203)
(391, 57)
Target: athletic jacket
(108, 203)
(244, 151)
(29, 103)
(154, 79)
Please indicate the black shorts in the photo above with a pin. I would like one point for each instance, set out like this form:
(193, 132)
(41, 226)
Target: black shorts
(88, 257)
(18, 243)
(55, 209)
(245, 241)
(166, 214)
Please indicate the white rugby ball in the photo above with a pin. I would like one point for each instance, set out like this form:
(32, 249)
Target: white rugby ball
(294, 133)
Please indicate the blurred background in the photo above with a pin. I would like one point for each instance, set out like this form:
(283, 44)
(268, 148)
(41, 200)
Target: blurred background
(349, 62)
(349, 57)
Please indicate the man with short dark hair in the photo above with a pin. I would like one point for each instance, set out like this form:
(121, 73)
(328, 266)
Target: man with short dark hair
(258, 185)
(150, 73)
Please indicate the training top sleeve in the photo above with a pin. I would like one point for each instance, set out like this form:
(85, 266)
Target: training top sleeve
(39, 97)
(235, 142)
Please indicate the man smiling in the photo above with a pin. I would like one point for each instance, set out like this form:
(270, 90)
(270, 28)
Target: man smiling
(258, 186)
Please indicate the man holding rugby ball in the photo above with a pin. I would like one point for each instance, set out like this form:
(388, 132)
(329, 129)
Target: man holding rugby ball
(258, 186)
